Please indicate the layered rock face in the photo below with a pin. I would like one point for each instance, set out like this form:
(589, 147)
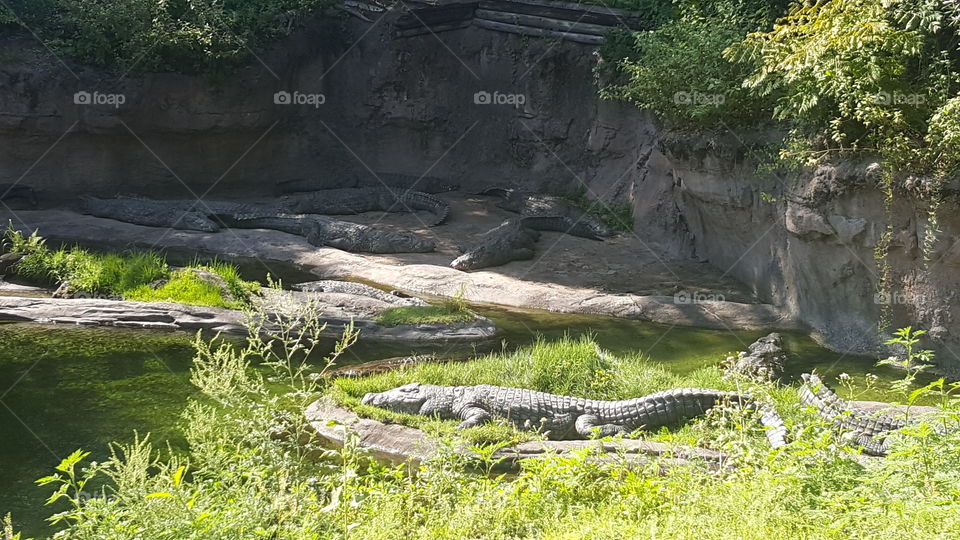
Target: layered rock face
(415, 106)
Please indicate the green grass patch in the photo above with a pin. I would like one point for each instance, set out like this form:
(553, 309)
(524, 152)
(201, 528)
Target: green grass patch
(126, 275)
(184, 287)
(570, 366)
(424, 315)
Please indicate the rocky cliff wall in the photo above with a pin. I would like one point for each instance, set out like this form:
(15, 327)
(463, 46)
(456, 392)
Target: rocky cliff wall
(417, 106)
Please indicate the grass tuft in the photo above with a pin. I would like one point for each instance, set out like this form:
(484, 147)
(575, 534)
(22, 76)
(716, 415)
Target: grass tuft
(423, 315)
(127, 275)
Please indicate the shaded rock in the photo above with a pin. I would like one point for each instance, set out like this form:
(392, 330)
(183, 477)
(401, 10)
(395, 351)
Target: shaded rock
(764, 361)
(848, 229)
(99, 312)
(7, 262)
(65, 290)
(804, 222)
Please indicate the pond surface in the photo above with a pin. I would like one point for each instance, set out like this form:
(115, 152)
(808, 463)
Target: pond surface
(64, 388)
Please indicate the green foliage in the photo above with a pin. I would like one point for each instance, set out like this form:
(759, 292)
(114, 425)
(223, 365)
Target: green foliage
(679, 70)
(254, 471)
(862, 75)
(176, 35)
(238, 287)
(616, 216)
(128, 275)
(185, 287)
(423, 315)
(15, 242)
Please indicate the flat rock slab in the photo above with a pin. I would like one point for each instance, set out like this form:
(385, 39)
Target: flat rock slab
(148, 315)
(522, 284)
(402, 444)
(171, 316)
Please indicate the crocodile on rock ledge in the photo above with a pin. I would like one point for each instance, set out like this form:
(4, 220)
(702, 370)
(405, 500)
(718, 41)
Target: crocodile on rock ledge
(566, 417)
(512, 240)
(211, 216)
(425, 184)
(359, 200)
(571, 219)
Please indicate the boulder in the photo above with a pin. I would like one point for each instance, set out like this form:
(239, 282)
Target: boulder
(764, 361)
(806, 223)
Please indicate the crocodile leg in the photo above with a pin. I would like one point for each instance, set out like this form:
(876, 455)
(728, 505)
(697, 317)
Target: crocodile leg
(473, 416)
(587, 423)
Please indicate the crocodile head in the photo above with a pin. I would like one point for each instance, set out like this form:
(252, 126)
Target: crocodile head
(467, 261)
(408, 398)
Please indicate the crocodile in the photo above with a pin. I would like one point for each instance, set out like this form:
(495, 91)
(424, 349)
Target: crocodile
(512, 240)
(869, 431)
(17, 191)
(359, 200)
(323, 231)
(576, 222)
(357, 289)
(425, 184)
(212, 216)
(567, 417)
(149, 213)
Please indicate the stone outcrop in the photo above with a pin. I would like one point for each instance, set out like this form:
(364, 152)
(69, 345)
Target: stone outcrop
(763, 361)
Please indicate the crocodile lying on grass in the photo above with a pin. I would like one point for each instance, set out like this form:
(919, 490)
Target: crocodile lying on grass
(861, 428)
(566, 417)
(571, 219)
(425, 184)
(512, 240)
(359, 200)
(213, 215)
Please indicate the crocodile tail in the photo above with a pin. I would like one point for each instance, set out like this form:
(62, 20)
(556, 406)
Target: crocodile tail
(773, 422)
(496, 191)
(563, 224)
(416, 200)
(822, 393)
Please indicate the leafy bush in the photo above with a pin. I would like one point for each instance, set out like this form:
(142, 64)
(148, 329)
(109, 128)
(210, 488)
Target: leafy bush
(679, 70)
(177, 35)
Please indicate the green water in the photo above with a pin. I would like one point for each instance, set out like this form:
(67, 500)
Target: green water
(63, 388)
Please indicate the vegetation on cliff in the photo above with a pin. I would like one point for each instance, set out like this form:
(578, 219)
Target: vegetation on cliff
(176, 35)
(873, 76)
